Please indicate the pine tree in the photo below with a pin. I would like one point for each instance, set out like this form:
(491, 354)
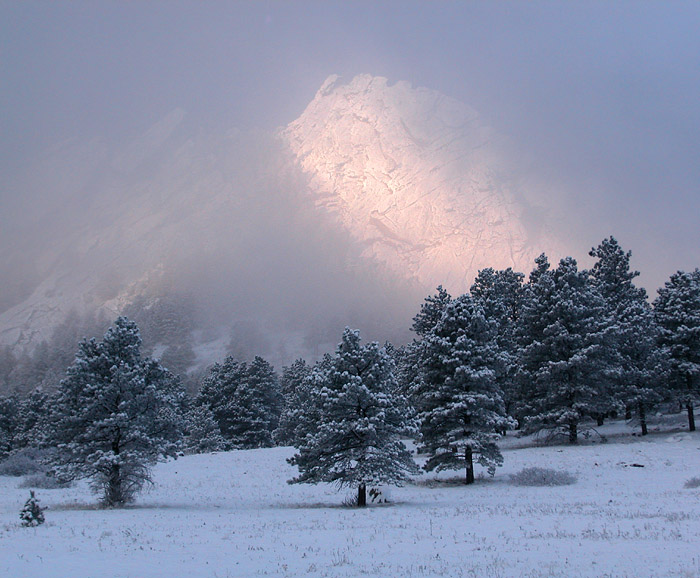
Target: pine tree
(640, 366)
(217, 392)
(295, 395)
(355, 442)
(259, 406)
(677, 311)
(115, 415)
(202, 433)
(32, 513)
(564, 350)
(244, 400)
(9, 423)
(31, 419)
(431, 311)
(500, 294)
(459, 403)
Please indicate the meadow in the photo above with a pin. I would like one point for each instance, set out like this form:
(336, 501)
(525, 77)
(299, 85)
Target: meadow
(232, 514)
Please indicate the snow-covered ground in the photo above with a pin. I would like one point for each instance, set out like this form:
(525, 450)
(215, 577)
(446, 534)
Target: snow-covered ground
(233, 515)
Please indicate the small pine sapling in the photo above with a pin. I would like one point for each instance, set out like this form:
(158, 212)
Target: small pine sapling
(32, 513)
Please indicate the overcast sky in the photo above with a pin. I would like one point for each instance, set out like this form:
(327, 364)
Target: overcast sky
(605, 96)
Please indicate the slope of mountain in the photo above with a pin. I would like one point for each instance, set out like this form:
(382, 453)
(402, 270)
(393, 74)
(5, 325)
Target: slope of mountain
(418, 179)
(400, 189)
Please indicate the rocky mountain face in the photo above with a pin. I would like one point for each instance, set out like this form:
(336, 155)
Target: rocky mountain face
(418, 180)
(400, 189)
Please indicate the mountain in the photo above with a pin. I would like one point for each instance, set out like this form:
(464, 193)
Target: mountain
(418, 179)
(349, 215)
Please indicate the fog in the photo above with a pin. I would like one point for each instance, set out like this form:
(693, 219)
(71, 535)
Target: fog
(600, 102)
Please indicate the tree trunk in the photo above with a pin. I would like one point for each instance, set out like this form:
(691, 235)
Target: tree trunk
(469, 458)
(643, 418)
(600, 419)
(691, 415)
(114, 495)
(362, 496)
(573, 433)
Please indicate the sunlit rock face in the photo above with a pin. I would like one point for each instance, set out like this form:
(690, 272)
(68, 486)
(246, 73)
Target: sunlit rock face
(418, 179)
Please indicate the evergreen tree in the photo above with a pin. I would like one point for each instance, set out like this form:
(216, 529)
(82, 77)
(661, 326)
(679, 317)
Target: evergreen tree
(295, 395)
(410, 359)
(460, 405)
(115, 415)
(677, 311)
(32, 416)
(202, 433)
(7, 366)
(500, 294)
(355, 442)
(431, 311)
(9, 422)
(639, 368)
(244, 400)
(32, 513)
(564, 350)
(218, 390)
(260, 405)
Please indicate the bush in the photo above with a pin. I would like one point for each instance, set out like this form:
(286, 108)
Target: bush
(32, 513)
(43, 482)
(542, 477)
(692, 483)
(23, 463)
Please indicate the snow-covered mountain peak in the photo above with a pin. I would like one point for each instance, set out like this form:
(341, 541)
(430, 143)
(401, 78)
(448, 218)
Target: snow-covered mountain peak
(417, 178)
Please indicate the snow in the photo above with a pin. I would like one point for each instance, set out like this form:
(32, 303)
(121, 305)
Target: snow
(233, 515)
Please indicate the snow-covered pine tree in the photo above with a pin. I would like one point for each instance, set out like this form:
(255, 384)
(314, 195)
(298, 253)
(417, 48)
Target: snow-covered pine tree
(115, 415)
(500, 294)
(355, 440)
(431, 311)
(458, 400)
(563, 350)
(409, 359)
(677, 311)
(295, 395)
(244, 400)
(32, 418)
(202, 434)
(259, 406)
(640, 367)
(9, 421)
(217, 392)
(32, 514)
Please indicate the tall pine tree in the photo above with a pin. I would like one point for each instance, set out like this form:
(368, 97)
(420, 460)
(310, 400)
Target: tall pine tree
(244, 400)
(500, 294)
(639, 367)
(459, 402)
(115, 415)
(677, 311)
(564, 351)
(355, 441)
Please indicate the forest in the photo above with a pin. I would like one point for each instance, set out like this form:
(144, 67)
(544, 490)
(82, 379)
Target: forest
(555, 355)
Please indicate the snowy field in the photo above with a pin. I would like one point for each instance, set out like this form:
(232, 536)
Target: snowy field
(232, 515)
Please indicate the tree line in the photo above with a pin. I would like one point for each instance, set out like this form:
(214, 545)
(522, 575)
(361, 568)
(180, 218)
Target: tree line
(555, 354)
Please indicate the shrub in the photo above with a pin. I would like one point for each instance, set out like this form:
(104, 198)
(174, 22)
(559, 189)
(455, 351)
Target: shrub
(692, 483)
(542, 477)
(23, 463)
(32, 513)
(43, 482)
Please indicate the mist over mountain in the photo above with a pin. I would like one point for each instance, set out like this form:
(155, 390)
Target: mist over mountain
(349, 215)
